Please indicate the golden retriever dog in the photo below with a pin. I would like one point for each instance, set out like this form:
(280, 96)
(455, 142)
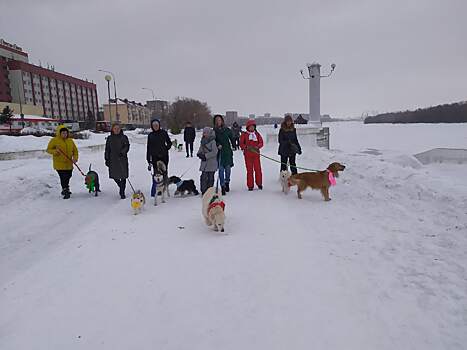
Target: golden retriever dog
(320, 180)
(213, 209)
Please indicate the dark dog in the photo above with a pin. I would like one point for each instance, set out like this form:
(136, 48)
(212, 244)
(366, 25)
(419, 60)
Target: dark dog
(92, 181)
(183, 186)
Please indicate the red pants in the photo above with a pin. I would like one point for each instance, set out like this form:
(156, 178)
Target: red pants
(253, 163)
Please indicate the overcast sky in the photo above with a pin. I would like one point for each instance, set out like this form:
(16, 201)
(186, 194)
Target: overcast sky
(245, 55)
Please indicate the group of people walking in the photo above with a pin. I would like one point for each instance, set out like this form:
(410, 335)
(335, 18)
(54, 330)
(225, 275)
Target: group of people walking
(215, 152)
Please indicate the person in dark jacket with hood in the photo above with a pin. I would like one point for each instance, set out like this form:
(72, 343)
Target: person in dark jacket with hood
(189, 135)
(116, 157)
(158, 145)
(224, 140)
(236, 131)
(289, 146)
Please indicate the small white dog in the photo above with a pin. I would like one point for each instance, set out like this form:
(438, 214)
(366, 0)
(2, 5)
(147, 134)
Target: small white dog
(137, 202)
(213, 209)
(284, 179)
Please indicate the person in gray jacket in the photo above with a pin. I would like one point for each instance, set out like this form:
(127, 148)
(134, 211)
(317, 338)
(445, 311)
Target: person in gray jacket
(208, 154)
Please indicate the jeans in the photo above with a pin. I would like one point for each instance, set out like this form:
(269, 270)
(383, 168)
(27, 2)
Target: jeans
(291, 160)
(224, 174)
(65, 176)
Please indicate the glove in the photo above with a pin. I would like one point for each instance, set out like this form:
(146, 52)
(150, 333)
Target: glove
(299, 151)
(149, 167)
(253, 149)
(202, 157)
(107, 163)
(219, 147)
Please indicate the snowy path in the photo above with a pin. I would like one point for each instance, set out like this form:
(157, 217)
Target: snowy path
(382, 266)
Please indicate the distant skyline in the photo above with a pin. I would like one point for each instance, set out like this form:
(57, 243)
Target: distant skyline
(246, 55)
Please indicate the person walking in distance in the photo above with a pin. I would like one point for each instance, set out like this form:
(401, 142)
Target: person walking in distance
(64, 154)
(224, 140)
(289, 146)
(207, 153)
(251, 142)
(189, 135)
(158, 145)
(116, 157)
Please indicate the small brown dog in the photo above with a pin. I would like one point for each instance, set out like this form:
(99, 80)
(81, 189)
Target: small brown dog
(320, 180)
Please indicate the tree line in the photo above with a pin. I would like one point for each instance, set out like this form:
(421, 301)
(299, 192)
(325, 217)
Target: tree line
(447, 113)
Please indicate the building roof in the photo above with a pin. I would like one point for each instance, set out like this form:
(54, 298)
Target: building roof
(23, 66)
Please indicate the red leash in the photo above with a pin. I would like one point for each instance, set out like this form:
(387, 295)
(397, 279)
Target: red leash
(71, 160)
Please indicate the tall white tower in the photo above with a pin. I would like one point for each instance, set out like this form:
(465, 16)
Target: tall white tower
(314, 78)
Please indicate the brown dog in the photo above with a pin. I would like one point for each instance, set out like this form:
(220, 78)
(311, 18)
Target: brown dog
(320, 180)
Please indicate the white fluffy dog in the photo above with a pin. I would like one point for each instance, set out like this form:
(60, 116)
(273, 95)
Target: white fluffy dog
(213, 209)
(137, 202)
(284, 179)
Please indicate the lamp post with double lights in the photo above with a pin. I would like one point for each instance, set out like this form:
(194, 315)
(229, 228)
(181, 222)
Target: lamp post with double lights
(314, 78)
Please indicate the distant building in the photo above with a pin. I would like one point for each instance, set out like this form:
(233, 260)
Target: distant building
(127, 112)
(231, 117)
(252, 116)
(56, 95)
(159, 108)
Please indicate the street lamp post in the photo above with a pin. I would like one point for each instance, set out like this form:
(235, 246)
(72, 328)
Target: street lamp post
(314, 78)
(115, 91)
(108, 78)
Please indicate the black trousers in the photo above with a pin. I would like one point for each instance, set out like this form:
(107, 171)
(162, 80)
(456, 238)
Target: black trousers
(121, 183)
(65, 176)
(291, 161)
(165, 159)
(189, 147)
(206, 180)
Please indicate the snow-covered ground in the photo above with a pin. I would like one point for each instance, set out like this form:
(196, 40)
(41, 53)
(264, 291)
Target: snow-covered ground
(381, 266)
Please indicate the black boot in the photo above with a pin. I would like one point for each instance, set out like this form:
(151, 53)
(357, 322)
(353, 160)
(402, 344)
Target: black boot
(227, 187)
(122, 186)
(66, 193)
(223, 190)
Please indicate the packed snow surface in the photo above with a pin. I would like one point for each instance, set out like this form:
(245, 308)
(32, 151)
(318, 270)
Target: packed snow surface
(381, 266)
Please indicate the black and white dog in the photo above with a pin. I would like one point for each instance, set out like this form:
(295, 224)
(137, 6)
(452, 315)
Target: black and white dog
(183, 186)
(160, 182)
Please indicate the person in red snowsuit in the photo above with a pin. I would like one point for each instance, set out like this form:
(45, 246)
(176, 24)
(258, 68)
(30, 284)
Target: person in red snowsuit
(250, 143)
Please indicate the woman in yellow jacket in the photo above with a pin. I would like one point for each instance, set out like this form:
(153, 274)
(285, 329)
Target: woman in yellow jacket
(64, 153)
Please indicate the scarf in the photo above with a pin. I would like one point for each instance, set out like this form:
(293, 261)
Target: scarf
(252, 136)
(331, 178)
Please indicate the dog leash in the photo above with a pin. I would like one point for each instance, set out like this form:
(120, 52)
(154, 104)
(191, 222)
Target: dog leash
(184, 173)
(277, 161)
(218, 175)
(71, 160)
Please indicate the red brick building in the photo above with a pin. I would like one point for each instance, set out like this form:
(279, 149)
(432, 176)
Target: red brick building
(60, 95)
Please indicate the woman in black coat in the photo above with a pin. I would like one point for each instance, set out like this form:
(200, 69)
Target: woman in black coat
(289, 146)
(158, 145)
(116, 157)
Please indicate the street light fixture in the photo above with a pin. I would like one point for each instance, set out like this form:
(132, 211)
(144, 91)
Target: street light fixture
(314, 78)
(108, 78)
(115, 90)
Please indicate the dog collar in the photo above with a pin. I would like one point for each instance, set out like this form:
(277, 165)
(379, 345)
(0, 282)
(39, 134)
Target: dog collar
(331, 178)
(178, 184)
